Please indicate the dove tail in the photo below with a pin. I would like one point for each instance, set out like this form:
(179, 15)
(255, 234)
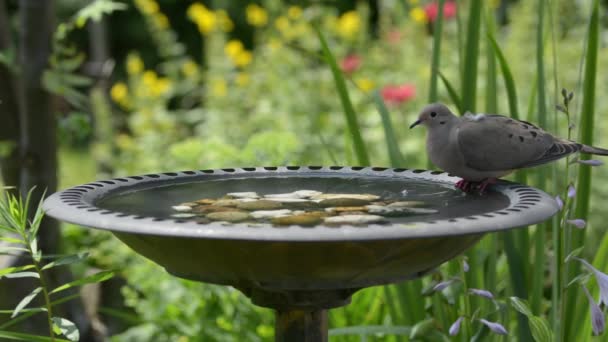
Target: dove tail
(594, 150)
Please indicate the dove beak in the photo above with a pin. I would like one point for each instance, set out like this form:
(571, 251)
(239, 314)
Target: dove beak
(416, 123)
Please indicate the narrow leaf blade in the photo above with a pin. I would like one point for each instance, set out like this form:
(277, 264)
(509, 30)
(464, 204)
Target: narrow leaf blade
(25, 301)
(94, 278)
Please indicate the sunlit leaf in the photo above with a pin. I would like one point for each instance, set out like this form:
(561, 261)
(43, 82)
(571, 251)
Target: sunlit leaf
(67, 260)
(25, 301)
(67, 328)
(94, 278)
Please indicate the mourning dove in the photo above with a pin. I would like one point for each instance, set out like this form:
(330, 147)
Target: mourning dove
(480, 148)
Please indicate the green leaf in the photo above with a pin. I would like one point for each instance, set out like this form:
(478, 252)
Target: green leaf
(9, 249)
(539, 326)
(522, 306)
(389, 132)
(15, 336)
(11, 240)
(422, 328)
(25, 301)
(15, 269)
(66, 260)
(507, 76)
(471, 57)
(574, 253)
(540, 329)
(71, 63)
(452, 92)
(94, 278)
(22, 275)
(67, 328)
(351, 117)
(96, 9)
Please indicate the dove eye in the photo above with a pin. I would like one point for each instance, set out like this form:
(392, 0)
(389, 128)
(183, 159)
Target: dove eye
(433, 114)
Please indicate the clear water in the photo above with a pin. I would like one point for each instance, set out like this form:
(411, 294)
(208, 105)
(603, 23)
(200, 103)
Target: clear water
(156, 199)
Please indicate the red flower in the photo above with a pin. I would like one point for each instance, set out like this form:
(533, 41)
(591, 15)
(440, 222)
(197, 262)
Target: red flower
(432, 10)
(397, 94)
(350, 63)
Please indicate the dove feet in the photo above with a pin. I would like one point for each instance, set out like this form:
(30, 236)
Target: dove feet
(470, 186)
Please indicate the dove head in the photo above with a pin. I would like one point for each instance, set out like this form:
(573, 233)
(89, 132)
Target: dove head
(435, 115)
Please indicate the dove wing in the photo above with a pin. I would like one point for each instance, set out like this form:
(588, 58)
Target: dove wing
(497, 143)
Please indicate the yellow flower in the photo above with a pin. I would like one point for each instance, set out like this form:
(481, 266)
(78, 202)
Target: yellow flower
(161, 21)
(243, 58)
(134, 64)
(365, 84)
(202, 17)
(189, 69)
(242, 79)
(349, 24)
(218, 87)
(294, 12)
(147, 6)
(282, 24)
(224, 20)
(256, 15)
(149, 78)
(233, 48)
(161, 86)
(119, 92)
(417, 14)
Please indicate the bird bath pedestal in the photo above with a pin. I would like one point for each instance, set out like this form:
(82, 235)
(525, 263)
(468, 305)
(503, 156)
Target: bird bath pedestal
(301, 272)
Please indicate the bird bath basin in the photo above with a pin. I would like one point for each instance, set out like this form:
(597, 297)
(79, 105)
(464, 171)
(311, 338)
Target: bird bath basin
(300, 271)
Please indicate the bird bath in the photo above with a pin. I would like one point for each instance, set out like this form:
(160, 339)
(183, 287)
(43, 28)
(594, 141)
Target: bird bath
(299, 271)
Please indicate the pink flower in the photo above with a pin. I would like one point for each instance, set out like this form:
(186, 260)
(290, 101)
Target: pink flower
(397, 94)
(432, 10)
(350, 64)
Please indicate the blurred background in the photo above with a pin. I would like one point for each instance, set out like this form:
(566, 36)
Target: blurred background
(97, 89)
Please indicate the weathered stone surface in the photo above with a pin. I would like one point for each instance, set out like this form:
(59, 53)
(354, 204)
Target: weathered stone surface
(227, 203)
(345, 209)
(205, 209)
(343, 202)
(299, 220)
(228, 216)
(269, 214)
(260, 205)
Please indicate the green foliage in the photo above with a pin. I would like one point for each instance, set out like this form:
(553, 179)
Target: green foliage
(18, 237)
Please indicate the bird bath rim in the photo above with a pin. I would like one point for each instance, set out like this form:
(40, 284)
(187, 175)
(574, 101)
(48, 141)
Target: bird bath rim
(77, 205)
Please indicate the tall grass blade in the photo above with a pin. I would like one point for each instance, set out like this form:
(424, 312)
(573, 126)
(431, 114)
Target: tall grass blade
(541, 111)
(581, 209)
(471, 57)
(394, 154)
(452, 92)
(436, 57)
(351, 117)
